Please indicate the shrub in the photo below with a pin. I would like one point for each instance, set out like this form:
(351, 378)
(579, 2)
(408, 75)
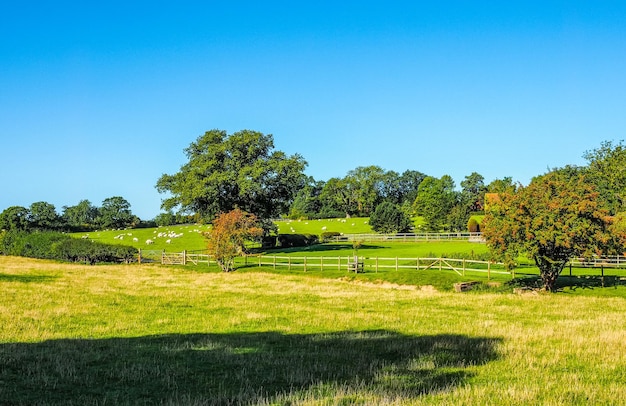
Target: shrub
(296, 240)
(473, 226)
(58, 246)
(328, 235)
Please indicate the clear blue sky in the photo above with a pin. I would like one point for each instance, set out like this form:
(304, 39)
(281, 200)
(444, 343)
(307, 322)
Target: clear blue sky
(100, 100)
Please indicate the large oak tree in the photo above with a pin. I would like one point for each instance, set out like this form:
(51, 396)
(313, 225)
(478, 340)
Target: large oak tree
(240, 170)
(558, 216)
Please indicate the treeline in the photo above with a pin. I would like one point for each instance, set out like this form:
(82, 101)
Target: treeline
(242, 170)
(365, 189)
(114, 213)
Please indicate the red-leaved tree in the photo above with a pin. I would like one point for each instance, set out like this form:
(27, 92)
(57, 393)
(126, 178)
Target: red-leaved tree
(227, 237)
(556, 217)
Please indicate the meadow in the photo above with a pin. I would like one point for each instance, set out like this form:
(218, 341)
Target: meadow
(189, 237)
(149, 334)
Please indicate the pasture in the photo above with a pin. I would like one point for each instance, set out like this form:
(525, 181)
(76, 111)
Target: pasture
(149, 334)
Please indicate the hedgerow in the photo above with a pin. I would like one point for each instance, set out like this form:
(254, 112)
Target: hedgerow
(59, 246)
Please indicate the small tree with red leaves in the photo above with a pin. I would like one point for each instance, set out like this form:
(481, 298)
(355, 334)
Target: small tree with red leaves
(558, 216)
(227, 237)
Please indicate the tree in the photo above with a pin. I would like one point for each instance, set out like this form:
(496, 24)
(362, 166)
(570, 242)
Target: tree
(229, 171)
(81, 216)
(228, 235)
(607, 170)
(409, 183)
(14, 218)
(473, 192)
(43, 216)
(367, 184)
(388, 218)
(556, 217)
(115, 213)
(339, 195)
(435, 198)
(307, 202)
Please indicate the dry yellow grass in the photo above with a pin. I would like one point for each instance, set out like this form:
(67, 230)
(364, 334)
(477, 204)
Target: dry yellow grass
(547, 349)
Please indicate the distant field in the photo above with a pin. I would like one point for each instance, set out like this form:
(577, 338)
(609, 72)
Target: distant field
(181, 237)
(190, 236)
(148, 334)
(354, 225)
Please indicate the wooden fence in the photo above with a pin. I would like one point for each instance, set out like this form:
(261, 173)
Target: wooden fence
(343, 263)
(409, 237)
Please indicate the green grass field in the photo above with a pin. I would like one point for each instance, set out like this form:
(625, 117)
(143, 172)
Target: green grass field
(149, 334)
(189, 237)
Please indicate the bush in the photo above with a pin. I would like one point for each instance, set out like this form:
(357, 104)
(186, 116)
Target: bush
(473, 226)
(75, 250)
(268, 242)
(296, 240)
(328, 235)
(58, 246)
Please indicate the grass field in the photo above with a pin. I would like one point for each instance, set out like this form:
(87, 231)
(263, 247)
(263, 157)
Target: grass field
(190, 238)
(142, 334)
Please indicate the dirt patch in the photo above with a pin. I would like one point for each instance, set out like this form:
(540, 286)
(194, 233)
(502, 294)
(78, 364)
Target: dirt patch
(389, 285)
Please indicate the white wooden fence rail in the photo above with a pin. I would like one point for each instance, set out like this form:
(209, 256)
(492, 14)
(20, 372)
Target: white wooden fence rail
(375, 264)
(409, 237)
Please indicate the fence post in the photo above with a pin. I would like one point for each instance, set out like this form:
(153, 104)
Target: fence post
(184, 257)
(463, 267)
(305, 264)
(396, 263)
(274, 261)
(339, 263)
(139, 256)
(288, 263)
(162, 257)
(440, 261)
(376, 264)
(489, 270)
(602, 270)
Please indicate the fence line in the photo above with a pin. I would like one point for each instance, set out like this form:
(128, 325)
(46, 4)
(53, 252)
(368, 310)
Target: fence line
(348, 263)
(617, 261)
(409, 237)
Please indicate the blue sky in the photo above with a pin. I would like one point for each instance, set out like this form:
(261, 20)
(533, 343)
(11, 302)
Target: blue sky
(100, 100)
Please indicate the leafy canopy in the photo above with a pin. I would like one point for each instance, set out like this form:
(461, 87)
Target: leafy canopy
(227, 237)
(388, 218)
(558, 216)
(229, 171)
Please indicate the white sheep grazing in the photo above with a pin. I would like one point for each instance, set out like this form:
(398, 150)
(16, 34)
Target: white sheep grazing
(324, 228)
(148, 242)
(135, 239)
(168, 241)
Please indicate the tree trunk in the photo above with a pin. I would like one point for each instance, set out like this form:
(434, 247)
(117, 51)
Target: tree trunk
(550, 270)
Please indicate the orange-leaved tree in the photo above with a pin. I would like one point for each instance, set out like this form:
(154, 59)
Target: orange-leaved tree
(227, 237)
(558, 216)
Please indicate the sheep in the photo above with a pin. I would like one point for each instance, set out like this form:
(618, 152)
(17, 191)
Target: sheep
(168, 241)
(148, 242)
(135, 239)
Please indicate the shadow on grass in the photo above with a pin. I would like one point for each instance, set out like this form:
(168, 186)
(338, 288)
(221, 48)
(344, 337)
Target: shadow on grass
(237, 368)
(572, 282)
(26, 278)
(321, 248)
